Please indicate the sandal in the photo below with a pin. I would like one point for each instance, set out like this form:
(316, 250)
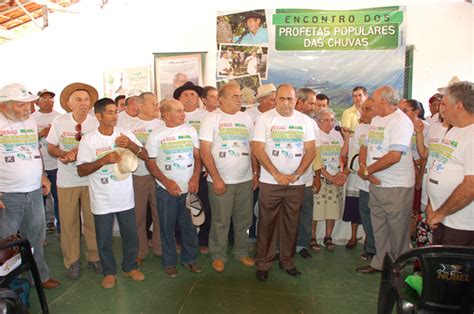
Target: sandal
(314, 246)
(350, 245)
(328, 243)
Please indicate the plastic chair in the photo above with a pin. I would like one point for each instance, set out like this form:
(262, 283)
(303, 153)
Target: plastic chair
(27, 264)
(448, 281)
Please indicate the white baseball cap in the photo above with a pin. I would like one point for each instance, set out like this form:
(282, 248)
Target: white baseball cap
(16, 92)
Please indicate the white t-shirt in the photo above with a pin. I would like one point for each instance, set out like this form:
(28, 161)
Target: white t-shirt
(108, 195)
(44, 120)
(330, 147)
(284, 139)
(414, 151)
(124, 118)
(392, 133)
(173, 149)
(361, 134)
(224, 66)
(433, 142)
(194, 118)
(308, 176)
(141, 129)
(454, 161)
(230, 136)
(251, 64)
(433, 119)
(20, 159)
(254, 113)
(63, 134)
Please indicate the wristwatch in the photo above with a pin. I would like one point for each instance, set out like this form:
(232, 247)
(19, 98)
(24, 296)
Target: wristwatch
(297, 176)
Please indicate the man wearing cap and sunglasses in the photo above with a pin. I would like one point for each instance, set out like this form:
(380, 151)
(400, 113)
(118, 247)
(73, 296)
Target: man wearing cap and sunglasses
(73, 193)
(22, 184)
(44, 117)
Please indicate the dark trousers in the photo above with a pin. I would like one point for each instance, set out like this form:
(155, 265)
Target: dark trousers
(306, 219)
(203, 195)
(278, 216)
(128, 232)
(444, 235)
(52, 176)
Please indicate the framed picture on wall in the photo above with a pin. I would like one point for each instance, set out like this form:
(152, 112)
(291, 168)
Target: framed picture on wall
(172, 70)
(121, 81)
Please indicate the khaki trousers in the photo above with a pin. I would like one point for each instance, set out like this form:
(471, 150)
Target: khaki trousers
(145, 194)
(72, 202)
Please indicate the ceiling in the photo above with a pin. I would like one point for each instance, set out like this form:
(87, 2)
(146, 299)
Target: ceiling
(14, 13)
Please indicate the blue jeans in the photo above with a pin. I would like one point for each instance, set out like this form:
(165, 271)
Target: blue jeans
(52, 176)
(172, 210)
(25, 212)
(128, 231)
(306, 219)
(364, 211)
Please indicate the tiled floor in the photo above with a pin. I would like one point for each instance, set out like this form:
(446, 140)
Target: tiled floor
(329, 284)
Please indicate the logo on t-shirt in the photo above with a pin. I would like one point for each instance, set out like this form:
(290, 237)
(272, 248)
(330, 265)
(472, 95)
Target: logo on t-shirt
(104, 180)
(275, 153)
(167, 167)
(222, 154)
(9, 158)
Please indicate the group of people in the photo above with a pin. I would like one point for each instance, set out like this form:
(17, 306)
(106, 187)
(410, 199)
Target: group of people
(287, 155)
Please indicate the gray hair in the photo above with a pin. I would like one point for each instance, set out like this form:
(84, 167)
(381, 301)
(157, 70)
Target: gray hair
(463, 92)
(322, 113)
(390, 94)
(303, 93)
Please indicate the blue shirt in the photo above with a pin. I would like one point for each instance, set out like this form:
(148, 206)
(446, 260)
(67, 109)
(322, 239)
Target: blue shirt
(261, 37)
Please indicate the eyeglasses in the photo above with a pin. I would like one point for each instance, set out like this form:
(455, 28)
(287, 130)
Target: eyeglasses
(78, 135)
(46, 99)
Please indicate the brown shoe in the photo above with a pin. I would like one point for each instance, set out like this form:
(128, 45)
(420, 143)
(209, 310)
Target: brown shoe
(50, 284)
(109, 281)
(247, 261)
(193, 267)
(204, 249)
(135, 274)
(171, 271)
(218, 265)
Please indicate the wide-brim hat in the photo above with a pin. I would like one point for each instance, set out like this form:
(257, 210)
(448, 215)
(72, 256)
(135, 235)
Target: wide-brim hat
(196, 209)
(71, 88)
(45, 91)
(127, 165)
(454, 79)
(254, 15)
(265, 90)
(16, 92)
(188, 86)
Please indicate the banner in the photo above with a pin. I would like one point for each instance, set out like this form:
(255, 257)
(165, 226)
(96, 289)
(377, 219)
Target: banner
(328, 51)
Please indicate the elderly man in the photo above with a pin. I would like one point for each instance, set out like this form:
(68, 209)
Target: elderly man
(73, 191)
(209, 98)
(22, 184)
(451, 179)
(386, 161)
(44, 117)
(188, 95)
(143, 182)
(306, 104)
(176, 165)
(284, 145)
(266, 100)
(111, 195)
(225, 150)
(350, 116)
(131, 108)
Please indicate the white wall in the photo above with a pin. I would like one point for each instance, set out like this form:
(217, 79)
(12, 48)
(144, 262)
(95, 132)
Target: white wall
(125, 33)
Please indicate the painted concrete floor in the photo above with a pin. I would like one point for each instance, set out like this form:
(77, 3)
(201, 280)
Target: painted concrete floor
(329, 284)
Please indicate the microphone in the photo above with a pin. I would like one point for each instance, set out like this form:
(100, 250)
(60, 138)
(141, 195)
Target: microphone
(339, 128)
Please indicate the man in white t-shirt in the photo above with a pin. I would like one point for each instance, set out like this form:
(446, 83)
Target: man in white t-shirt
(209, 98)
(143, 182)
(111, 196)
(284, 144)
(450, 210)
(22, 184)
(224, 64)
(175, 163)
(252, 62)
(131, 108)
(388, 161)
(44, 117)
(189, 95)
(73, 192)
(225, 150)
